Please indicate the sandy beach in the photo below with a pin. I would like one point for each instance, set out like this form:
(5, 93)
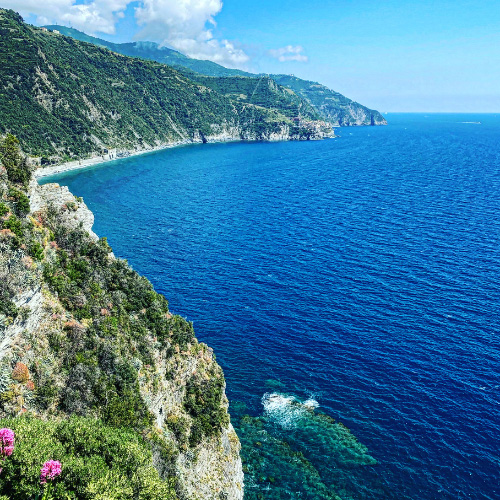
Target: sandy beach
(97, 160)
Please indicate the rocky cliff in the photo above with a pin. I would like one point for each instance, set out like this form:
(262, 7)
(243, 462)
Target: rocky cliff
(67, 99)
(332, 106)
(83, 334)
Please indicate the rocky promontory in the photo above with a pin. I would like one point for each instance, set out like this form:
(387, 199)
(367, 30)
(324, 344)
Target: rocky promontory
(84, 336)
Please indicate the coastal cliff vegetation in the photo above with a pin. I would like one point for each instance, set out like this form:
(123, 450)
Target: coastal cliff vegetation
(84, 336)
(329, 105)
(68, 99)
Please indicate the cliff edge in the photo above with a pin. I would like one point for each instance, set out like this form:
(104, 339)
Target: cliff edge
(82, 334)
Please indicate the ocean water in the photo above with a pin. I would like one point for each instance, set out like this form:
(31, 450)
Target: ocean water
(354, 279)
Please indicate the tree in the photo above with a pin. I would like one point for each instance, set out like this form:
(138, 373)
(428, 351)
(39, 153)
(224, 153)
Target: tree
(18, 170)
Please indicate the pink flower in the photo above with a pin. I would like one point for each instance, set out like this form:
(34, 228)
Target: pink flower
(6, 442)
(50, 471)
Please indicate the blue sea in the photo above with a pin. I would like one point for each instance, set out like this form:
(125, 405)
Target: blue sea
(356, 278)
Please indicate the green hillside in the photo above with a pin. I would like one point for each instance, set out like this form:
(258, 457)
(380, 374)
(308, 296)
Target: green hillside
(64, 98)
(330, 105)
(153, 52)
(262, 91)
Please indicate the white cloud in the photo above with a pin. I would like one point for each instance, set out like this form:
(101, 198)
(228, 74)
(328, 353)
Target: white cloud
(185, 25)
(182, 24)
(91, 17)
(289, 53)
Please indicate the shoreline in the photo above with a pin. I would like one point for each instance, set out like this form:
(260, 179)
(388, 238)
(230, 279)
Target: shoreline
(42, 172)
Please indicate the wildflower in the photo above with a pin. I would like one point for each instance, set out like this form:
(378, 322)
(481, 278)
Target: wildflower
(50, 470)
(6, 442)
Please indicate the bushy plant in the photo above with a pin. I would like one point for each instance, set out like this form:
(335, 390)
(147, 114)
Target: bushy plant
(18, 170)
(36, 251)
(14, 225)
(97, 462)
(21, 373)
(21, 202)
(203, 401)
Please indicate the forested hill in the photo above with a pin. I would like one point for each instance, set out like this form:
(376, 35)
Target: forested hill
(330, 105)
(153, 52)
(65, 98)
(262, 91)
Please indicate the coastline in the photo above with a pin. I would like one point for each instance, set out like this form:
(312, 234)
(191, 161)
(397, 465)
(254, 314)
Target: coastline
(41, 172)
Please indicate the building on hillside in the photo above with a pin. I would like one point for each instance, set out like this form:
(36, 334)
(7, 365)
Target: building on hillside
(109, 154)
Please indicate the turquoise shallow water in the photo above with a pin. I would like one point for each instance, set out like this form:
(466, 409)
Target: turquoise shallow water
(358, 275)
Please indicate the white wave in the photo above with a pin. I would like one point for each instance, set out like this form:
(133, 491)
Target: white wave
(286, 411)
(311, 403)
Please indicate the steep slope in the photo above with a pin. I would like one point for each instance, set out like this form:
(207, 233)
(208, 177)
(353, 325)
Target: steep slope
(262, 91)
(83, 334)
(65, 98)
(331, 106)
(154, 52)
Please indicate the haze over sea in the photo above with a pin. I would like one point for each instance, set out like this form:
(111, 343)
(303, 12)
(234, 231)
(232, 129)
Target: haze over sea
(361, 274)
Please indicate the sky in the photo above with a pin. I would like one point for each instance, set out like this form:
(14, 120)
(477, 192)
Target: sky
(394, 56)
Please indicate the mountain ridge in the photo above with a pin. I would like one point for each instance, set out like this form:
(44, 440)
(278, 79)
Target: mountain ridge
(66, 99)
(332, 106)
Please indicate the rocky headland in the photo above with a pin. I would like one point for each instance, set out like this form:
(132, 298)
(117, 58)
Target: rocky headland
(83, 335)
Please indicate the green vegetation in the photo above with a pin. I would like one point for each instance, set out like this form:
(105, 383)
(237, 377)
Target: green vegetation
(203, 403)
(332, 106)
(98, 461)
(260, 91)
(121, 309)
(20, 200)
(15, 230)
(17, 168)
(97, 354)
(328, 104)
(68, 99)
(153, 52)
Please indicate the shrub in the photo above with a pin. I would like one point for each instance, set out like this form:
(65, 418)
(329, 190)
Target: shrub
(128, 410)
(22, 202)
(7, 306)
(98, 461)
(21, 373)
(36, 251)
(179, 426)
(18, 170)
(203, 401)
(14, 224)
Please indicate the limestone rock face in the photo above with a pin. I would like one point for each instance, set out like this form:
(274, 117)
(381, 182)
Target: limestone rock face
(217, 472)
(60, 197)
(206, 468)
(212, 469)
